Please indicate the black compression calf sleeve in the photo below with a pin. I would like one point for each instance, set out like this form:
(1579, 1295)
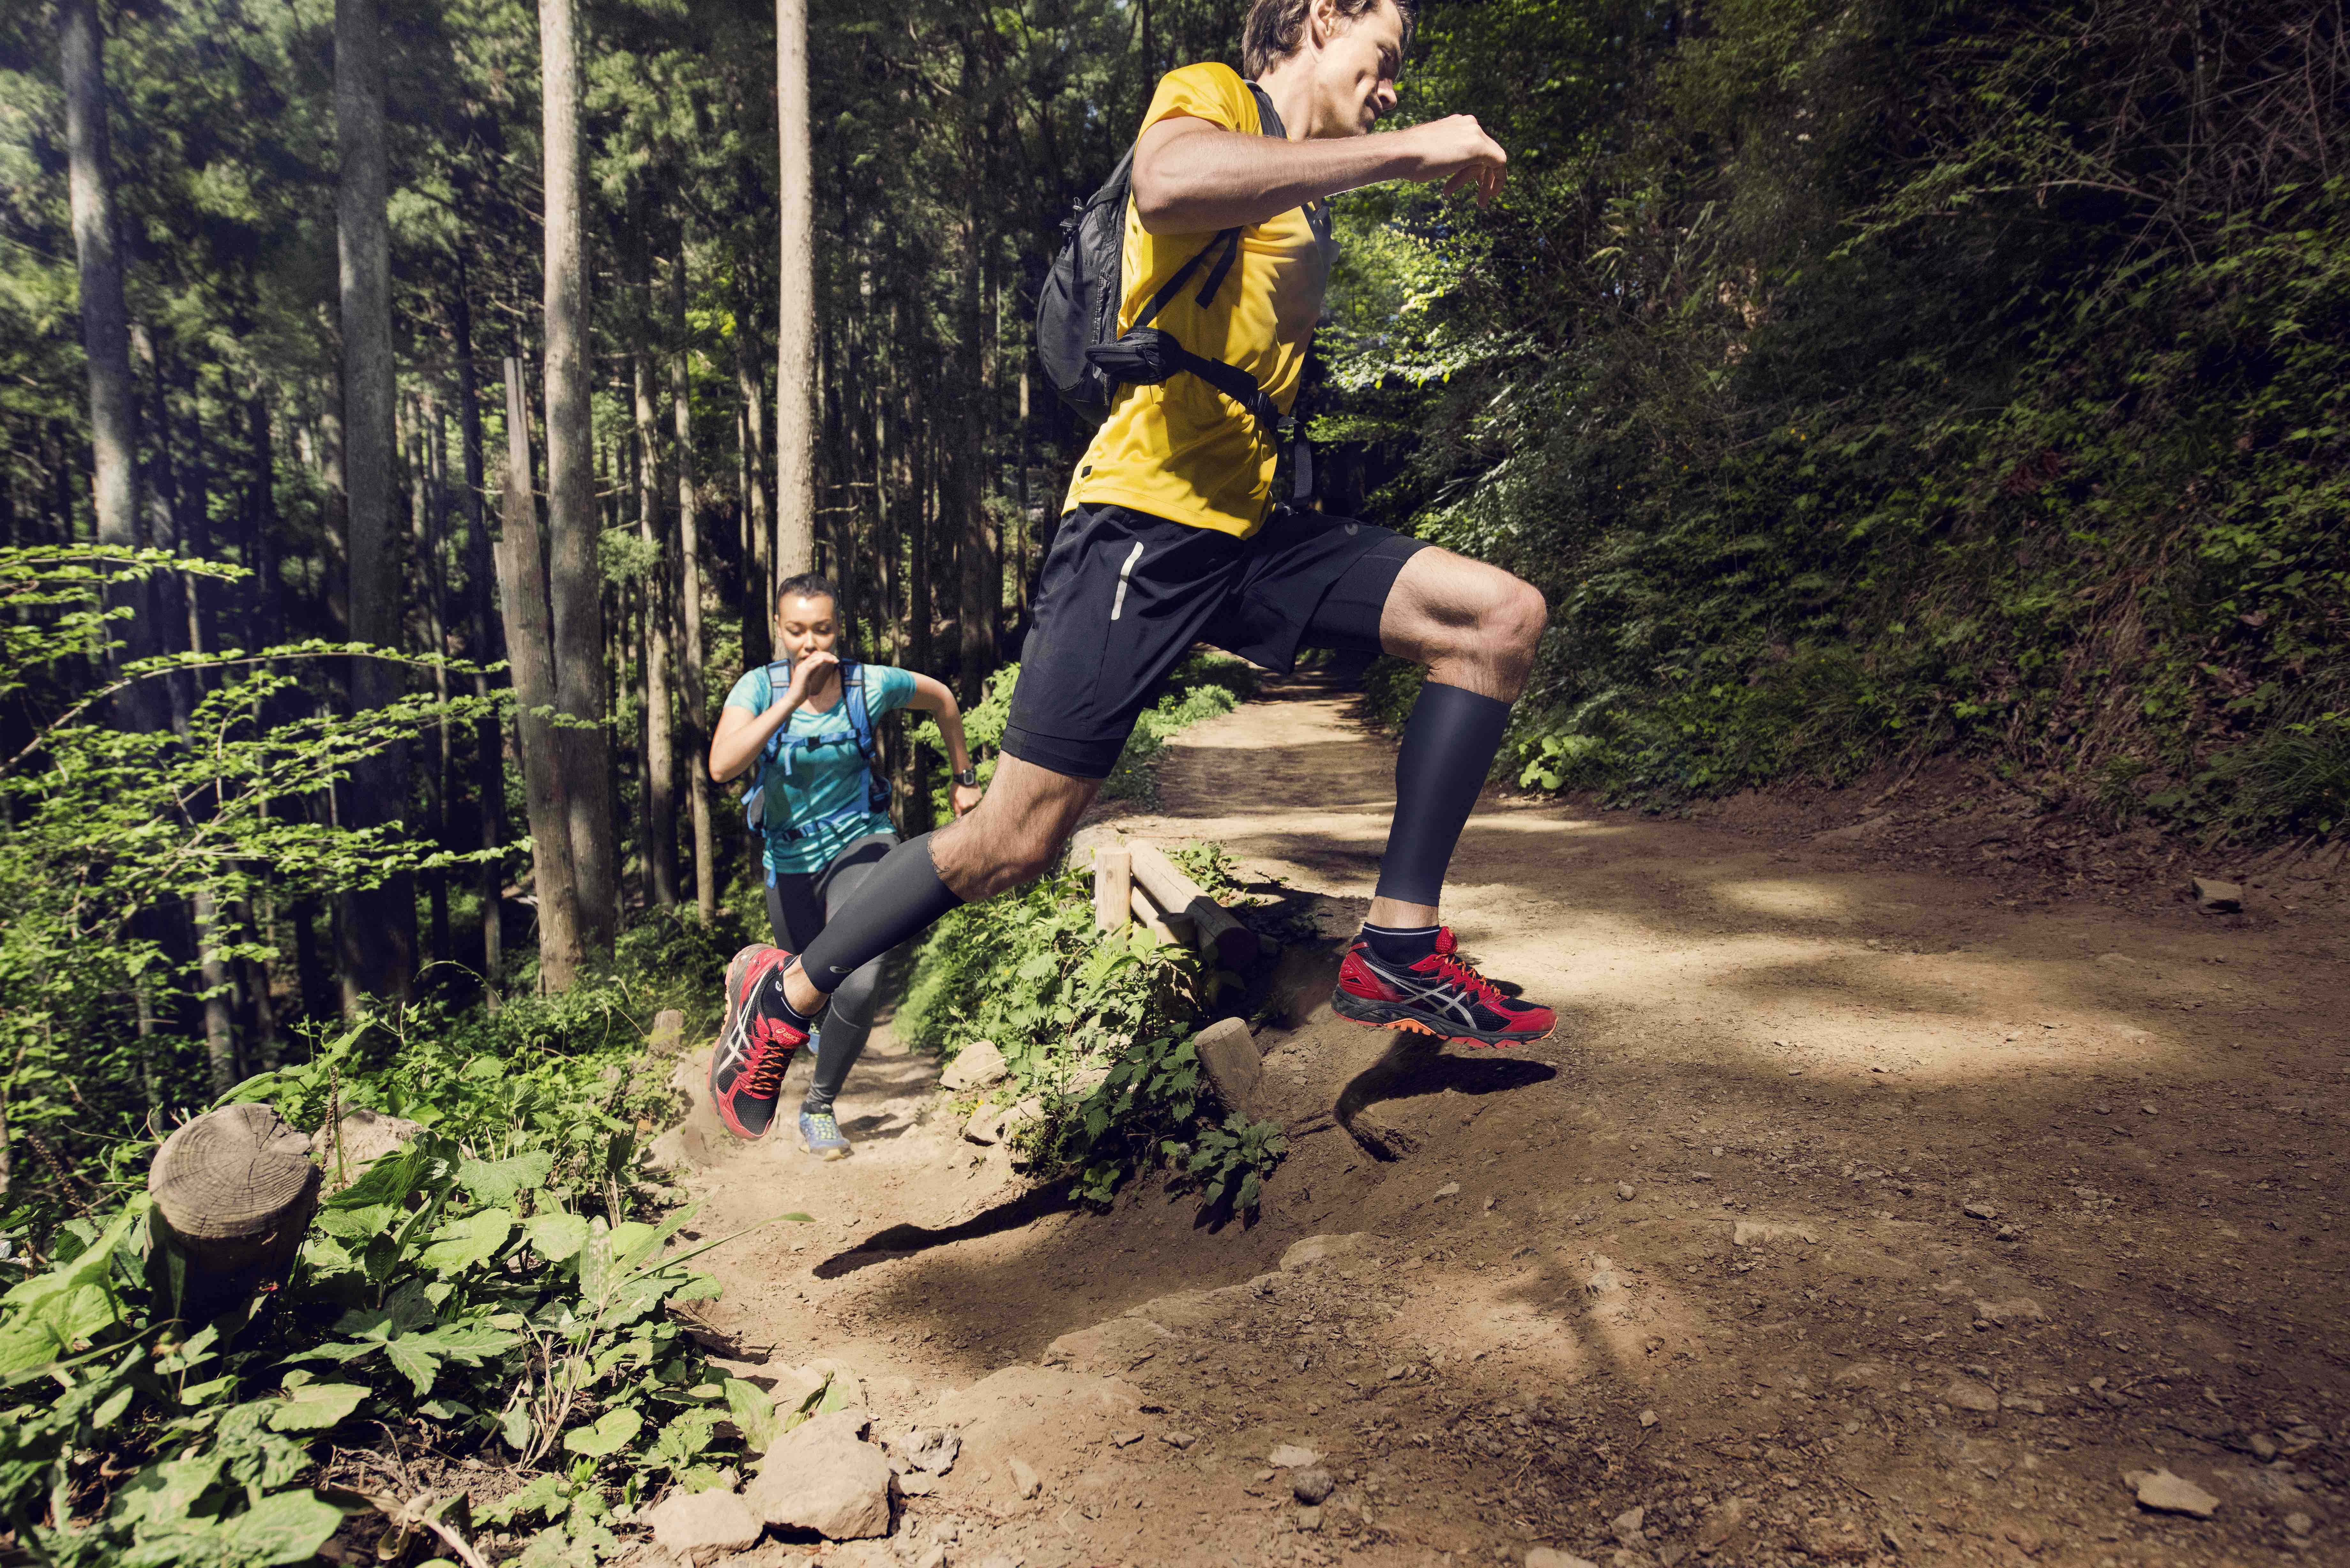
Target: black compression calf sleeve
(1448, 747)
(902, 899)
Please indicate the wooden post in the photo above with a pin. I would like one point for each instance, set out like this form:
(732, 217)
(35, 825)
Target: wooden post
(1175, 894)
(1113, 886)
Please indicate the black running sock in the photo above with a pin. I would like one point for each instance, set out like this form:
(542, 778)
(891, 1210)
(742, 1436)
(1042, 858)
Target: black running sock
(1448, 748)
(1402, 946)
(779, 1002)
(902, 899)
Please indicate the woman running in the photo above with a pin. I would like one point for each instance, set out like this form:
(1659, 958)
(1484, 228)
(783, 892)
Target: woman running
(821, 804)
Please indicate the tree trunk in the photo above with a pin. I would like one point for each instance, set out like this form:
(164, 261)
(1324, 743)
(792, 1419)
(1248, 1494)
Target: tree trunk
(265, 617)
(482, 647)
(335, 547)
(220, 1014)
(758, 567)
(691, 739)
(660, 754)
(531, 646)
(428, 483)
(965, 511)
(379, 927)
(576, 577)
(795, 317)
(105, 326)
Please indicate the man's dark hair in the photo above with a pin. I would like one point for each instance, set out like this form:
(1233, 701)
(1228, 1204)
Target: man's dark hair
(807, 585)
(1275, 29)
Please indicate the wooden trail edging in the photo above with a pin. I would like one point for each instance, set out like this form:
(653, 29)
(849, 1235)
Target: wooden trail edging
(1134, 880)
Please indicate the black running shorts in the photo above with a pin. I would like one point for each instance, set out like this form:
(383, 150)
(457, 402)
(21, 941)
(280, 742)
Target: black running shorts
(1124, 595)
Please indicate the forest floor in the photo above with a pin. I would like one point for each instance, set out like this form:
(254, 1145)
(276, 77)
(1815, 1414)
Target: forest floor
(1855, 1211)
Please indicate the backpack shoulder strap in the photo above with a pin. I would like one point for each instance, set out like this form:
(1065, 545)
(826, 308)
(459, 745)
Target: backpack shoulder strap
(779, 680)
(860, 715)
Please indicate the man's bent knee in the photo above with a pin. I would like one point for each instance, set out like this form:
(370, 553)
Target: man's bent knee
(1517, 618)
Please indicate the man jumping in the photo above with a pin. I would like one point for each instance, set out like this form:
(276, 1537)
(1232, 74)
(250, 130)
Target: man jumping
(1169, 536)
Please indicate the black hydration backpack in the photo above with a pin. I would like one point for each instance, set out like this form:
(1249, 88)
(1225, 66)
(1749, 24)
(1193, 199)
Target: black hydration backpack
(1086, 359)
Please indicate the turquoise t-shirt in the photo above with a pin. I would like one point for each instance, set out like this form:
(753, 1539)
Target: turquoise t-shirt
(829, 779)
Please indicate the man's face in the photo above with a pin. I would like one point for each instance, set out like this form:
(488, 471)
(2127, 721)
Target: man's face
(804, 626)
(1355, 67)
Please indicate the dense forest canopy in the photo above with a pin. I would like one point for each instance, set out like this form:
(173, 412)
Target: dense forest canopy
(1862, 382)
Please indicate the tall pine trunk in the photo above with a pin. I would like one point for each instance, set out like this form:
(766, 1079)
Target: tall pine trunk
(378, 957)
(795, 295)
(758, 564)
(105, 325)
(660, 753)
(694, 700)
(530, 644)
(576, 577)
(482, 646)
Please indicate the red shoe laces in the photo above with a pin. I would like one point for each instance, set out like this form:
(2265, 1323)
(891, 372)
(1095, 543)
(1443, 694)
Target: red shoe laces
(770, 1057)
(1461, 974)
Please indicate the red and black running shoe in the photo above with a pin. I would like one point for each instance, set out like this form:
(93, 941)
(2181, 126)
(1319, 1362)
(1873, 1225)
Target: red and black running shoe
(747, 1070)
(1439, 995)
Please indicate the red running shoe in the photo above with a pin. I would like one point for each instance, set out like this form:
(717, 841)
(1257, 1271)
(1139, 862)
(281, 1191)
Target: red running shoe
(1439, 995)
(747, 1070)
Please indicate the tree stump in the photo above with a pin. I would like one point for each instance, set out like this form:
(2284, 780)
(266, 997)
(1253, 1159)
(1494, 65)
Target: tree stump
(233, 1192)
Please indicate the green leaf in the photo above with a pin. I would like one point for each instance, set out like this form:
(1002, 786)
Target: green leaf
(556, 1234)
(514, 1427)
(413, 1356)
(468, 1242)
(753, 1415)
(545, 1493)
(614, 1431)
(166, 1493)
(315, 1406)
(287, 1528)
(502, 1181)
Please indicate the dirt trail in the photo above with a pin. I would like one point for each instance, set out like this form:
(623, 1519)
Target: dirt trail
(1850, 1216)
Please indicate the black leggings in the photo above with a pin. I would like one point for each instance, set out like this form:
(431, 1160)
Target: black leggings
(798, 904)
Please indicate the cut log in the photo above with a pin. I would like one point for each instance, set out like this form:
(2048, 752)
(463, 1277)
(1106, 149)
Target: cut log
(233, 1192)
(1176, 894)
(1171, 929)
(1113, 886)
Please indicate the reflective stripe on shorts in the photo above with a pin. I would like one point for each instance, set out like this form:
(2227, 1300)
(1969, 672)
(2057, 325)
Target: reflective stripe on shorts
(1118, 604)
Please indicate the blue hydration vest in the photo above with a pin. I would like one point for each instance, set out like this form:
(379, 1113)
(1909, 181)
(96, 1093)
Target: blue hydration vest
(765, 809)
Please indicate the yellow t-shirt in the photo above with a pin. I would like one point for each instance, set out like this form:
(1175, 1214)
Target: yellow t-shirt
(1181, 449)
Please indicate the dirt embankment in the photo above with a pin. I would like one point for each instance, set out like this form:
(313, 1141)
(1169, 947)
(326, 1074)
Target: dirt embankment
(1854, 1214)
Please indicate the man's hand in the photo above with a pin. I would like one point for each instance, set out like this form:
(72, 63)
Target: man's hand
(1457, 151)
(805, 672)
(964, 798)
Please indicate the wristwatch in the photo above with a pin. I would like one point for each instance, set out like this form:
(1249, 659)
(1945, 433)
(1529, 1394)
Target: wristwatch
(968, 778)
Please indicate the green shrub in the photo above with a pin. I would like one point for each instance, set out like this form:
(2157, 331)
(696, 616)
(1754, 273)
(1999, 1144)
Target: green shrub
(1096, 1028)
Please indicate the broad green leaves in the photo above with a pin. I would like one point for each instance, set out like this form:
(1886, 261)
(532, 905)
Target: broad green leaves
(557, 1236)
(52, 1316)
(613, 1431)
(753, 1415)
(468, 1242)
(289, 1527)
(502, 1181)
(315, 1406)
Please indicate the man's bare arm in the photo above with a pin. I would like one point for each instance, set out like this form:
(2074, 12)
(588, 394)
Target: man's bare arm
(1194, 177)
